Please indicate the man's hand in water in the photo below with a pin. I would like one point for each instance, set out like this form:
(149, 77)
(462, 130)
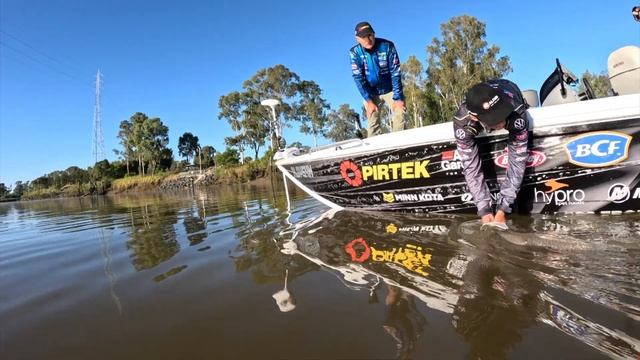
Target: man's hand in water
(487, 219)
(370, 107)
(500, 217)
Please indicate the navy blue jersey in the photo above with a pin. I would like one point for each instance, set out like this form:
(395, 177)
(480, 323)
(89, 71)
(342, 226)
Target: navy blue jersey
(466, 130)
(377, 71)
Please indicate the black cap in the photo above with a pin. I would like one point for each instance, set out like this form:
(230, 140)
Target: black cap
(488, 104)
(363, 29)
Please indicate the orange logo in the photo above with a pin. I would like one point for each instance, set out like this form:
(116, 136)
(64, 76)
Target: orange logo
(555, 185)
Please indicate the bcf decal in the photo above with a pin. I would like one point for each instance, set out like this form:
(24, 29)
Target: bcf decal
(597, 149)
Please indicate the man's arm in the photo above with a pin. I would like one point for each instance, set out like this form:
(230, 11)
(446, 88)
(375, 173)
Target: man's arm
(396, 73)
(518, 151)
(465, 131)
(357, 70)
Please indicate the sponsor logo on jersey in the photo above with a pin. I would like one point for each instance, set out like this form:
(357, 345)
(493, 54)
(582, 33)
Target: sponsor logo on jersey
(534, 159)
(597, 149)
(559, 194)
(460, 134)
(519, 124)
(357, 175)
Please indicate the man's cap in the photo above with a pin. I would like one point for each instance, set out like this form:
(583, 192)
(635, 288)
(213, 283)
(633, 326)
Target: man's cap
(488, 104)
(363, 29)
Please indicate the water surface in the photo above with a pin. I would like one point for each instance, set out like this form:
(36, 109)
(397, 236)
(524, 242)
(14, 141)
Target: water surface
(239, 272)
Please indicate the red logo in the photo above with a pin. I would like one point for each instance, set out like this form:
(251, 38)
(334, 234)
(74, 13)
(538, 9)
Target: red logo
(350, 173)
(366, 252)
(534, 159)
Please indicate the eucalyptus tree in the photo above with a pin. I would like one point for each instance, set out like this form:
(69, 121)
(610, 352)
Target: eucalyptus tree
(230, 108)
(146, 139)
(125, 134)
(312, 110)
(461, 59)
(188, 145)
(600, 84)
(342, 123)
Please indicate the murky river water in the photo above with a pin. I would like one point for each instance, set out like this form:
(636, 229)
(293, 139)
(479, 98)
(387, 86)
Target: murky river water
(230, 273)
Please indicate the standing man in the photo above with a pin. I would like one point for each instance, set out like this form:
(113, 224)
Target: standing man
(493, 105)
(376, 70)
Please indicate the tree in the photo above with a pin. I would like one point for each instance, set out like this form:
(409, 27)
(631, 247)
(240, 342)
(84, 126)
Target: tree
(208, 154)
(342, 123)
(600, 84)
(188, 145)
(147, 140)
(276, 82)
(230, 108)
(311, 110)
(228, 157)
(125, 134)
(4, 190)
(461, 59)
(303, 148)
(20, 188)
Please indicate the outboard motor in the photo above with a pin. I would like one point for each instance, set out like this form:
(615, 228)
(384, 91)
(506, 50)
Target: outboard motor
(624, 70)
(557, 88)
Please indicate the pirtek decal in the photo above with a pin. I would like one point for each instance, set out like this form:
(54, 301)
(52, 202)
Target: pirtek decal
(382, 172)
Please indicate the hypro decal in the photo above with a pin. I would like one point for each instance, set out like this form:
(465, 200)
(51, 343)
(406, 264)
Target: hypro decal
(355, 175)
(558, 194)
(534, 159)
(597, 149)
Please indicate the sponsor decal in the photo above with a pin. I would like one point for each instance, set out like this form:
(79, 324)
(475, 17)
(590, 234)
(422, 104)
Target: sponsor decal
(451, 160)
(392, 229)
(619, 193)
(534, 159)
(355, 175)
(350, 173)
(559, 194)
(409, 256)
(303, 171)
(597, 149)
(388, 197)
(519, 124)
(436, 229)
(467, 197)
(411, 197)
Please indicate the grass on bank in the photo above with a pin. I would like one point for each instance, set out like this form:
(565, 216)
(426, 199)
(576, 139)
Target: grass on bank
(138, 182)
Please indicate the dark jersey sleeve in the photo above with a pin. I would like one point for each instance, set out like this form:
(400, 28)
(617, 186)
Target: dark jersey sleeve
(465, 131)
(518, 152)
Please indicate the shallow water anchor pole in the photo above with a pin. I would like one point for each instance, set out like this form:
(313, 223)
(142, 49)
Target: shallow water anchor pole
(286, 191)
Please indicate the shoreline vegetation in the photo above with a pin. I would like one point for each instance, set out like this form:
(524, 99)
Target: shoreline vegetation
(145, 162)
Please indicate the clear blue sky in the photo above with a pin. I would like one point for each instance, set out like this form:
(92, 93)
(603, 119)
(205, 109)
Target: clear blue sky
(174, 59)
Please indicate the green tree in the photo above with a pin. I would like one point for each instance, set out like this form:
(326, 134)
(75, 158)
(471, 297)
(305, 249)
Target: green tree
(230, 108)
(342, 123)
(125, 134)
(312, 110)
(188, 145)
(600, 84)
(20, 188)
(4, 190)
(228, 157)
(207, 154)
(461, 59)
(148, 139)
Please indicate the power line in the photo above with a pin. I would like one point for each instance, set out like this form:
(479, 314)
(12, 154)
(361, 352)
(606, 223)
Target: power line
(42, 63)
(24, 43)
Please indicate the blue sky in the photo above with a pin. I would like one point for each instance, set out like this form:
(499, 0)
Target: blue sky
(174, 59)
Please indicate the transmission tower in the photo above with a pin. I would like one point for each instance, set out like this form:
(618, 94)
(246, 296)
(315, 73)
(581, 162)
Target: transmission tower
(98, 140)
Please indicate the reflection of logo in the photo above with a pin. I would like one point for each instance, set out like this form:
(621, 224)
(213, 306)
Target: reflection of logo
(350, 249)
(534, 159)
(380, 172)
(619, 193)
(558, 195)
(388, 197)
(596, 149)
(392, 229)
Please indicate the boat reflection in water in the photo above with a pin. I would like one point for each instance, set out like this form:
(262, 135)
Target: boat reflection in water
(493, 285)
